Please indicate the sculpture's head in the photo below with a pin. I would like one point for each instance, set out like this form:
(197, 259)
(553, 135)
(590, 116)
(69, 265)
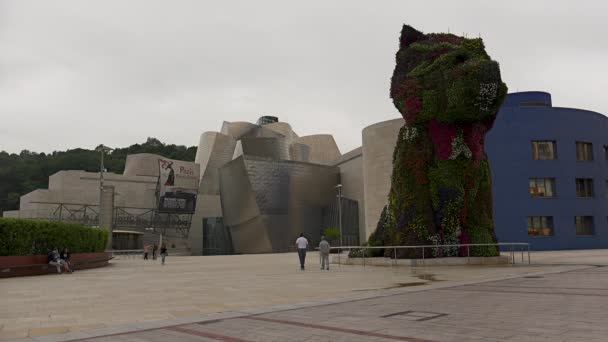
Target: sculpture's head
(445, 77)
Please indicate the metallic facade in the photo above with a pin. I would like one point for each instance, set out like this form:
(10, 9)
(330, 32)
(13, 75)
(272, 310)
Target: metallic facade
(268, 202)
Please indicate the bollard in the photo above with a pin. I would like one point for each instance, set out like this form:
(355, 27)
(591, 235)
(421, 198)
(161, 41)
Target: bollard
(395, 256)
(422, 255)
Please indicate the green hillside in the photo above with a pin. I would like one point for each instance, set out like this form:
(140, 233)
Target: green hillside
(27, 171)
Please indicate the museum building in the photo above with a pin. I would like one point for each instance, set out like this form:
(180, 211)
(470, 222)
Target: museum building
(257, 186)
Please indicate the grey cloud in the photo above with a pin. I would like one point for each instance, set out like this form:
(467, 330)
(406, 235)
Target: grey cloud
(77, 74)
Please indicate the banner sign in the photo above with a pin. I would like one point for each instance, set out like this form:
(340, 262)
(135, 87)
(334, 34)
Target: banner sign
(178, 186)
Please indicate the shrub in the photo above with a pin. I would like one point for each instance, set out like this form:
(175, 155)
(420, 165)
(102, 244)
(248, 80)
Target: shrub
(332, 234)
(29, 237)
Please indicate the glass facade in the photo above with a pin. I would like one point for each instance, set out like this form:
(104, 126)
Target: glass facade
(216, 237)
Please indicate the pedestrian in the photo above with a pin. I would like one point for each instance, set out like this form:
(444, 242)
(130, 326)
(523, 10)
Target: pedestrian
(146, 251)
(163, 253)
(324, 253)
(154, 248)
(302, 245)
(65, 259)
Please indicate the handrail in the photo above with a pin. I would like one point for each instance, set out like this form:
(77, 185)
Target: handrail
(433, 246)
(467, 245)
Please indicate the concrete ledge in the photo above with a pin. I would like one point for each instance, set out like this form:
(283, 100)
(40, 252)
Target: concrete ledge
(451, 261)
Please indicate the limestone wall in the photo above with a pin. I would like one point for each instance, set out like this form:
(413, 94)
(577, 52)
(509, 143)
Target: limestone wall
(142, 164)
(379, 142)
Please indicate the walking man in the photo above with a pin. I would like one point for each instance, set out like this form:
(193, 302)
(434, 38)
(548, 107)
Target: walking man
(163, 253)
(302, 245)
(324, 253)
(154, 248)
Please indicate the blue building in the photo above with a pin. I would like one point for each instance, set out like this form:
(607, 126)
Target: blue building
(550, 174)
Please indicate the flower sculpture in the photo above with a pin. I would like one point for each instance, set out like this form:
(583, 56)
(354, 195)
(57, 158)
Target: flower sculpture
(449, 91)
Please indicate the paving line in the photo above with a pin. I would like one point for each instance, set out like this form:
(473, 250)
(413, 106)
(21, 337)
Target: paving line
(526, 292)
(335, 329)
(206, 334)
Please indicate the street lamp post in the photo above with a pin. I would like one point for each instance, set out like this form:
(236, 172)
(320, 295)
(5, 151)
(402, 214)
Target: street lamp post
(102, 149)
(339, 187)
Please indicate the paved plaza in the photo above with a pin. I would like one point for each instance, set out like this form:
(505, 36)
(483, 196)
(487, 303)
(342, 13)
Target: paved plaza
(563, 296)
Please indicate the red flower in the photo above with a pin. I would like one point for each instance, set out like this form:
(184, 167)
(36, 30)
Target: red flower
(474, 137)
(465, 239)
(413, 105)
(442, 136)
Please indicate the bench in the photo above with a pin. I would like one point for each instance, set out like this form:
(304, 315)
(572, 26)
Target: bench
(36, 264)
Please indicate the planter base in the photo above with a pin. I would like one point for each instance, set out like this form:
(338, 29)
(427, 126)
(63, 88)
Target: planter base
(451, 261)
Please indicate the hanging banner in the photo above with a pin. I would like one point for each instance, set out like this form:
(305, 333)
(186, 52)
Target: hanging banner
(178, 186)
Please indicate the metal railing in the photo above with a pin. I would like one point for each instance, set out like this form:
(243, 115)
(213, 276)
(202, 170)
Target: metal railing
(512, 248)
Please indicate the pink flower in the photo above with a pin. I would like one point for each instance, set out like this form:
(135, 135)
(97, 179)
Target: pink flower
(474, 137)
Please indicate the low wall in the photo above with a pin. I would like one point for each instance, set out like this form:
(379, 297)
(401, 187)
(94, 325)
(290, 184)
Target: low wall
(16, 266)
(452, 261)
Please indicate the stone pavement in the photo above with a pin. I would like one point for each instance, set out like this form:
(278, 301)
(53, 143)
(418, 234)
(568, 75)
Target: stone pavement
(266, 298)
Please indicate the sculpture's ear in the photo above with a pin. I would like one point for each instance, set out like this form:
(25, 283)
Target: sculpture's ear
(410, 35)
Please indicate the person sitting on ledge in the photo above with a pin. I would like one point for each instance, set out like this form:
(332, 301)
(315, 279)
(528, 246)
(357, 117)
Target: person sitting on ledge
(54, 260)
(65, 259)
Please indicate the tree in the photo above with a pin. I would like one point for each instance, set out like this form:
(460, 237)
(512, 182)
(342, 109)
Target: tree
(27, 171)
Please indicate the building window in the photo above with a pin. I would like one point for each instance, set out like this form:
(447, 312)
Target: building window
(542, 187)
(584, 187)
(540, 225)
(584, 151)
(544, 150)
(584, 225)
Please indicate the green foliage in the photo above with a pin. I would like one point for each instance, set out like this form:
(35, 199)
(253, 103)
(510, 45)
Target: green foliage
(481, 235)
(30, 237)
(28, 171)
(332, 233)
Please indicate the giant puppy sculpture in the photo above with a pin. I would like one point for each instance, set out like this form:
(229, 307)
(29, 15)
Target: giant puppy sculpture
(449, 91)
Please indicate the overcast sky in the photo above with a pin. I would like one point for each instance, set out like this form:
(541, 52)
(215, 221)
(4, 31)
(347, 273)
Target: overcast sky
(81, 73)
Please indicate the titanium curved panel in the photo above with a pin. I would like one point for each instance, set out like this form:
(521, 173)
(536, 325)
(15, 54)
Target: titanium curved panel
(215, 150)
(299, 152)
(267, 203)
(237, 129)
(275, 148)
(323, 148)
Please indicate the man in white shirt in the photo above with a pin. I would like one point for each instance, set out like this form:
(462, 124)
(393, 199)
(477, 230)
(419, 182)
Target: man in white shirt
(302, 245)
